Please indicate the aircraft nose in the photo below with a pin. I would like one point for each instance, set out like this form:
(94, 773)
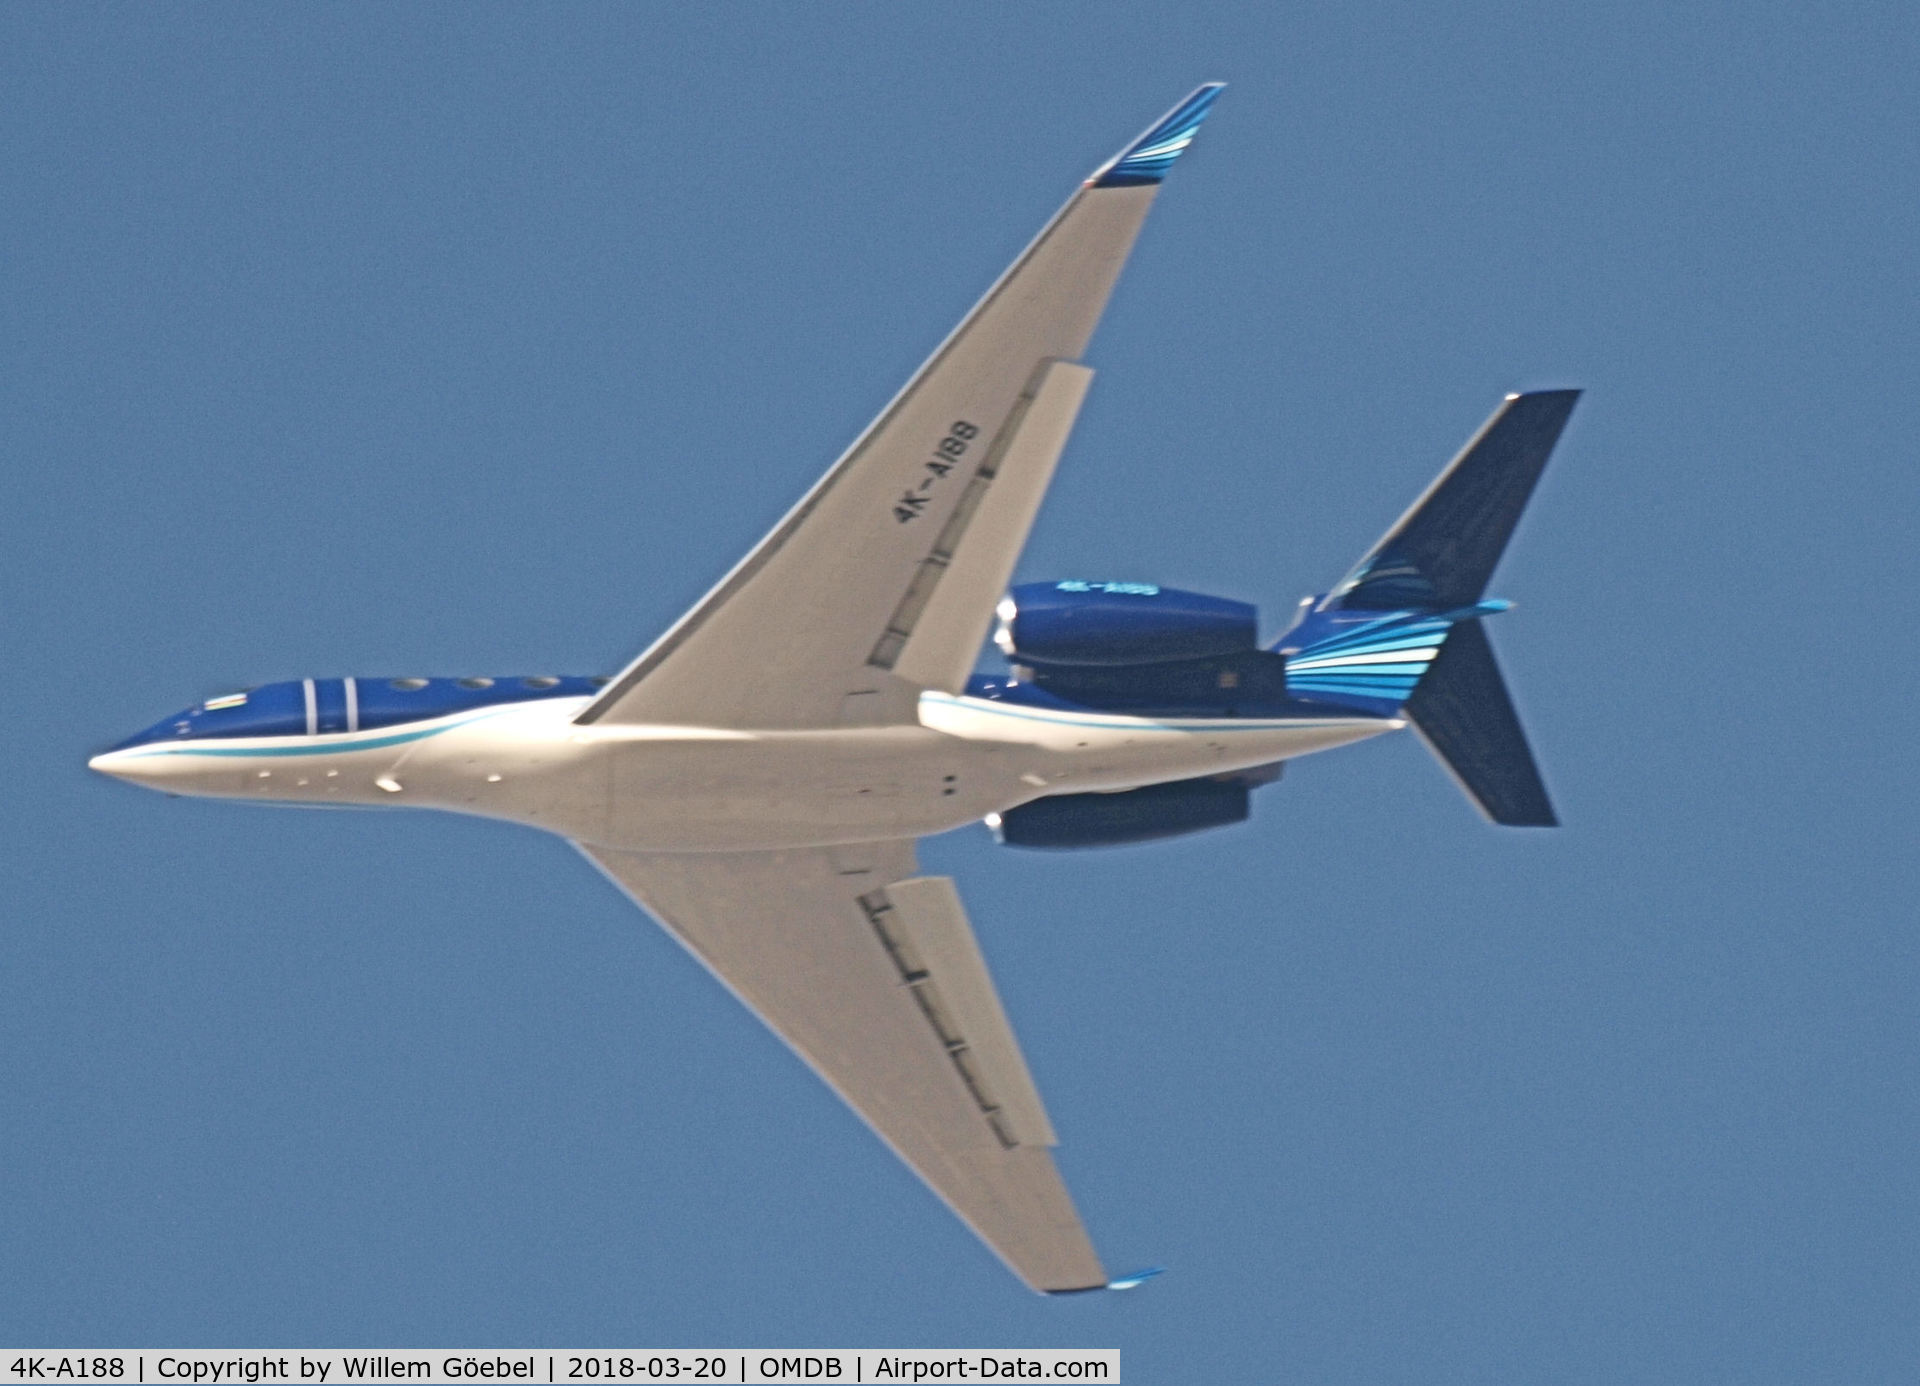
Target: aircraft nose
(122, 765)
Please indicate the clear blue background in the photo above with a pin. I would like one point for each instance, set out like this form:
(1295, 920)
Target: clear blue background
(354, 339)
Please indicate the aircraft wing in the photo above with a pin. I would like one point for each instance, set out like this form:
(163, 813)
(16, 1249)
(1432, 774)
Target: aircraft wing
(883, 579)
(871, 973)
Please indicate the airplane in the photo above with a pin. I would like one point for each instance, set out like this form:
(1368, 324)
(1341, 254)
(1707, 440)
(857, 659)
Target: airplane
(758, 777)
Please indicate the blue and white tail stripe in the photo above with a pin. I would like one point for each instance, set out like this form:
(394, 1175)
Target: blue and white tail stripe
(1148, 158)
(1376, 662)
(1384, 659)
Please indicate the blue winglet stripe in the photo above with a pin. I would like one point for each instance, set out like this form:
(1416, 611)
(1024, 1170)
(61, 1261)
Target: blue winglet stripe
(1148, 158)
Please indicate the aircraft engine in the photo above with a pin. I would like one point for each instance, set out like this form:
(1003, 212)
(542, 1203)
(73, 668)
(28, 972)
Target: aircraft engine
(1132, 815)
(1105, 624)
(1137, 648)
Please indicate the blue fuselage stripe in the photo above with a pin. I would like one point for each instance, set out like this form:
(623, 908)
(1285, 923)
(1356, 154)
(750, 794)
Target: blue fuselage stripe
(316, 746)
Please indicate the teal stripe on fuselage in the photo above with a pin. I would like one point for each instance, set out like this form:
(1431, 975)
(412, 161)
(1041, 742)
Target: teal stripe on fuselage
(352, 742)
(321, 746)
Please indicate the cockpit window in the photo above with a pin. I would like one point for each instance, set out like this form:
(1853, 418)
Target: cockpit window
(540, 681)
(407, 685)
(473, 683)
(600, 680)
(225, 700)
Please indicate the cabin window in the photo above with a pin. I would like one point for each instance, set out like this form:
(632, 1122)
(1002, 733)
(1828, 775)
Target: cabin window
(473, 683)
(407, 685)
(540, 681)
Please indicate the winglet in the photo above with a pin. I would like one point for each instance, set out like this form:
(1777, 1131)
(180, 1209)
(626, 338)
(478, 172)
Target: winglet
(1132, 1281)
(1148, 158)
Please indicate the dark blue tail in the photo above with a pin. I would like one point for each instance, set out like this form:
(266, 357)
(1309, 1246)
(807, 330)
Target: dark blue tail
(1427, 578)
(1444, 548)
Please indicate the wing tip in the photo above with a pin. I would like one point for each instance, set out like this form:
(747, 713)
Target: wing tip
(1563, 391)
(1145, 162)
(1133, 1280)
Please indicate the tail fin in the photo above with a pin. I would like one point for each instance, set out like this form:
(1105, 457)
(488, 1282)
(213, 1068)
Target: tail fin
(1431, 569)
(1444, 549)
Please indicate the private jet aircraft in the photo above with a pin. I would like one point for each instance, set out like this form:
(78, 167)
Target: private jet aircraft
(757, 778)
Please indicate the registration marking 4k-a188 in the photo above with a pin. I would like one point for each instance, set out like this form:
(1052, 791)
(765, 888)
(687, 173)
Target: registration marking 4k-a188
(946, 456)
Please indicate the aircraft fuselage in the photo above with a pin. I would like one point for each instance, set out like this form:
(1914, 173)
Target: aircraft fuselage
(690, 788)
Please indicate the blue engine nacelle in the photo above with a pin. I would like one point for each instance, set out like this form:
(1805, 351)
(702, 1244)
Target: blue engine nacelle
(1106, 624)
(1132, 815)
(1136, 648)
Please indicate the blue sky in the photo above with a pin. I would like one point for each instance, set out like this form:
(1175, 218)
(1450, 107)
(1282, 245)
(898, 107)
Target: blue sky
(483, 339)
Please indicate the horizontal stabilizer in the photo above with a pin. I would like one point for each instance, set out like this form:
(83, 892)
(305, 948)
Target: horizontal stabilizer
(1444, 549)
(1463, 713)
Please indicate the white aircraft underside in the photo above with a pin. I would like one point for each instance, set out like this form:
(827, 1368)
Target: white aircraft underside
(757, 778)
(685, 788)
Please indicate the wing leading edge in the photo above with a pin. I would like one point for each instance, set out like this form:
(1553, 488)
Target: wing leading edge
(872, 975)
(883, 578)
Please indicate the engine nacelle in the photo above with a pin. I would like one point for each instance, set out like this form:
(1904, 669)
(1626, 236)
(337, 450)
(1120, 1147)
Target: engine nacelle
(1133, 647)
(1132, 815)
(1107, 624)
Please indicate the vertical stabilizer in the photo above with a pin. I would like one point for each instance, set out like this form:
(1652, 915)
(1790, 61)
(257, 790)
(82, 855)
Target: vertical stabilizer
(1406, 624)
(1443, 550)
